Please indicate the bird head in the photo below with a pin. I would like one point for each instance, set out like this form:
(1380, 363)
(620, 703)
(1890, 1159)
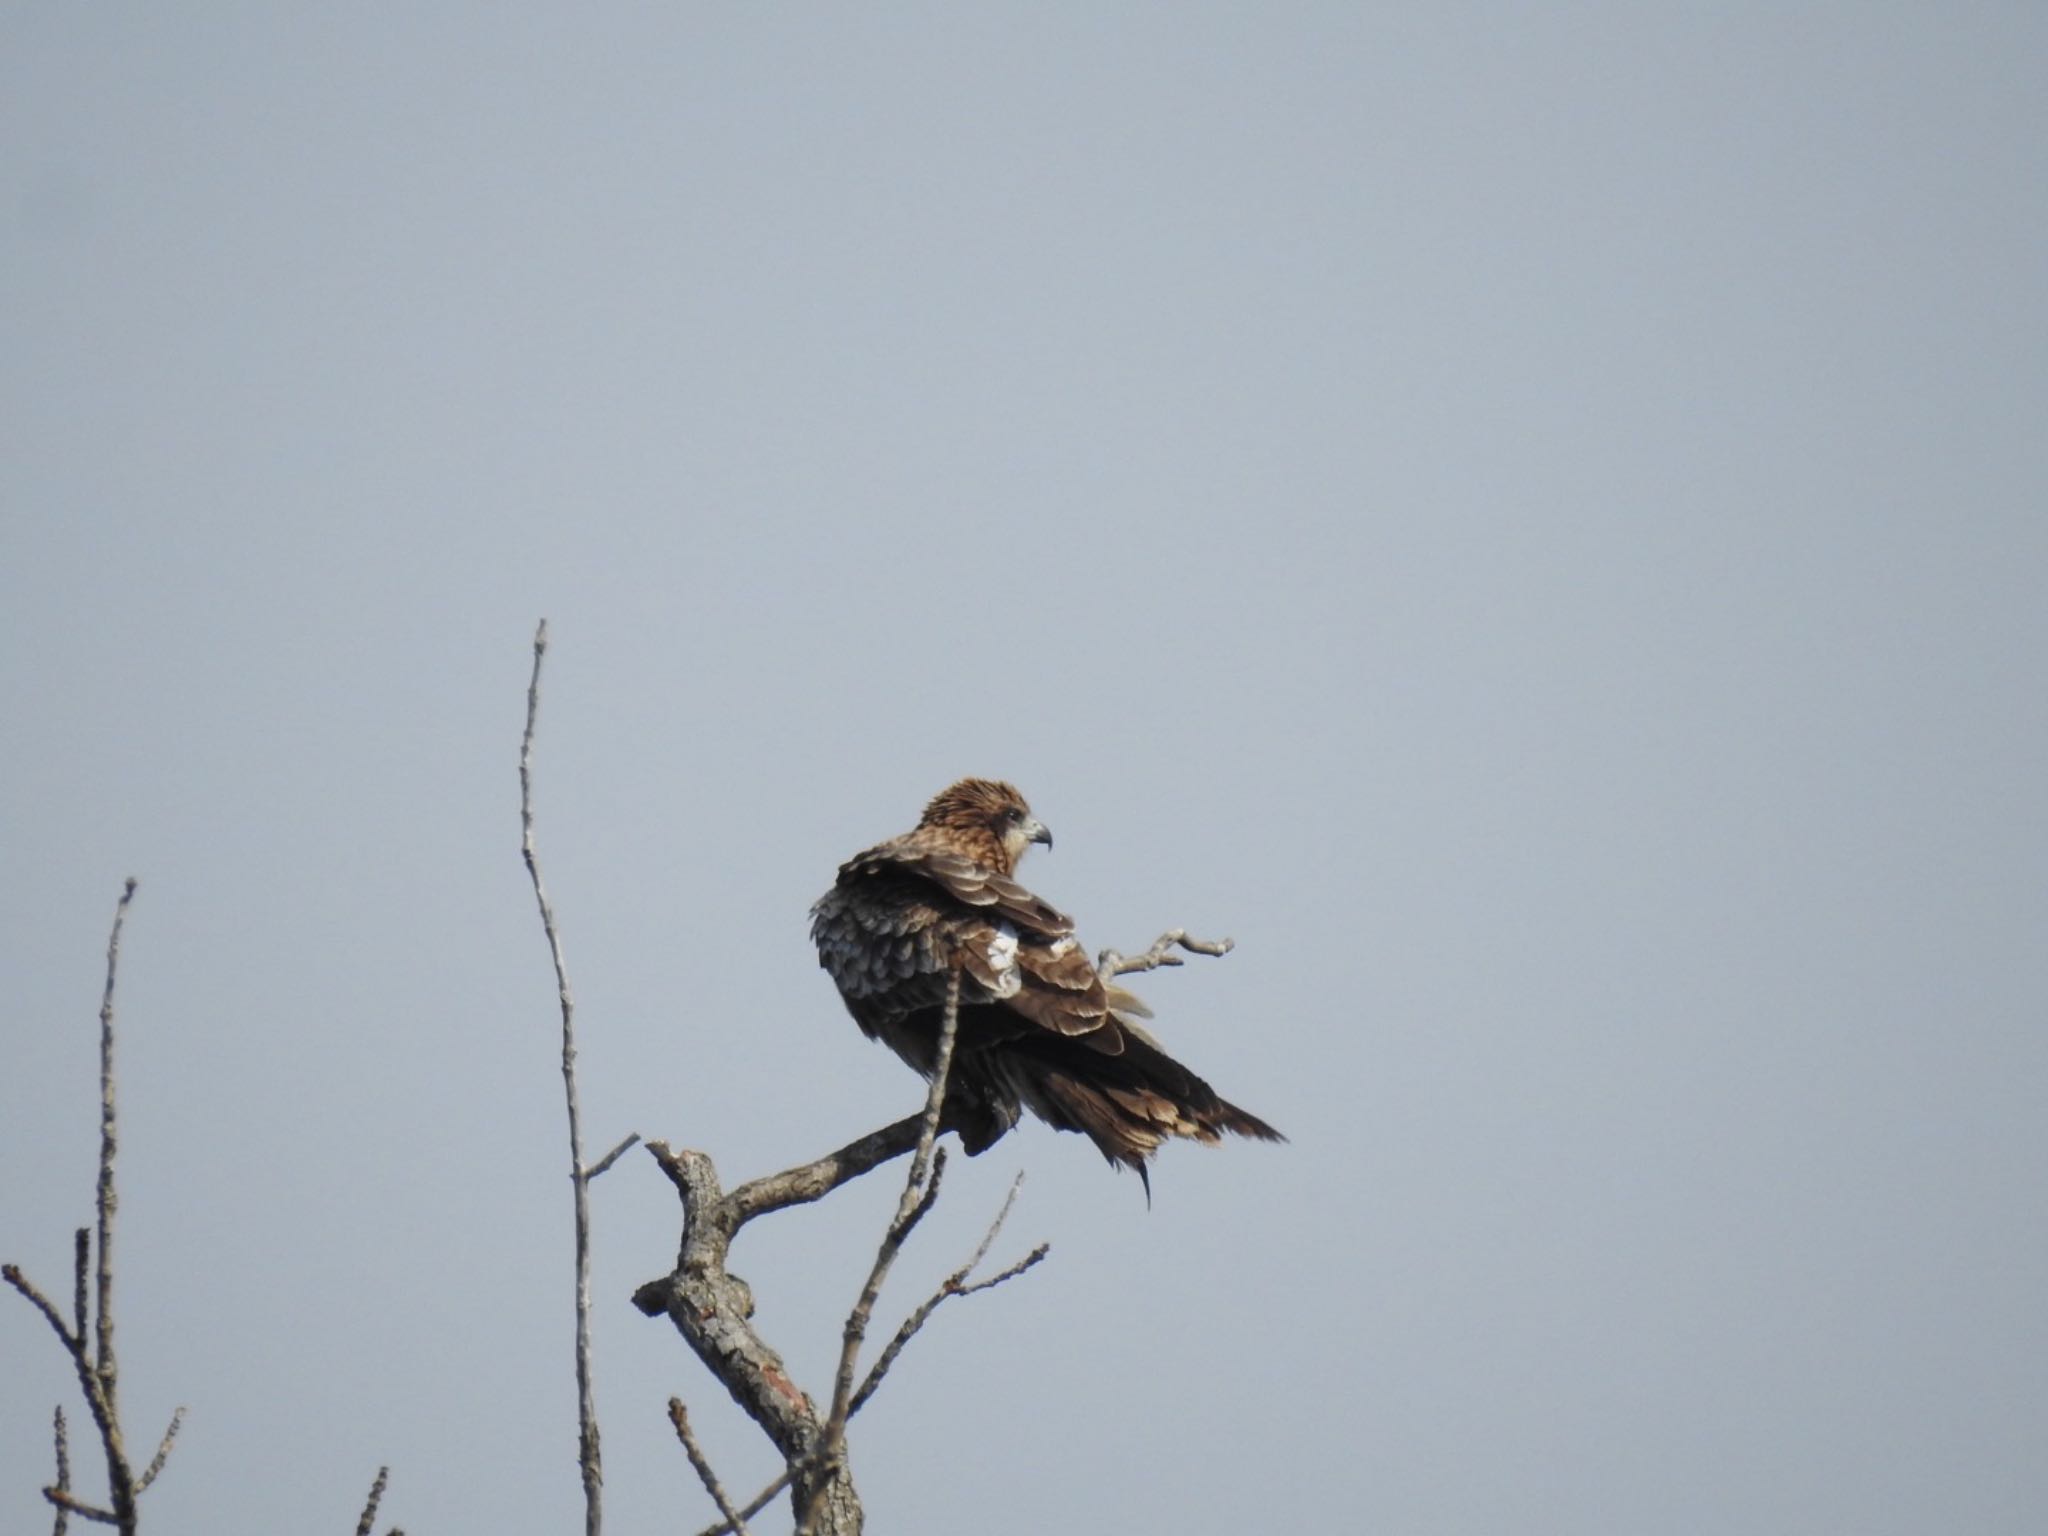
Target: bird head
(990, 820)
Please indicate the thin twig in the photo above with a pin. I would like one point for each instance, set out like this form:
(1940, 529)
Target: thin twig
(108, 1200)
(102, 1379)
(920, 1189)
(106, 1397)
(63, 1484)
(955, 1284)
(163, 1451)
(588, 1456)
(66, 1502)
(935, 1101)
(89, 1381)
(753, 1506)
(12, 1274)
(612, 1156)
(93, 1358)
(679, 1416)
(81, 1261)
(1111, 963)
(910, 1208)
(369, 1515)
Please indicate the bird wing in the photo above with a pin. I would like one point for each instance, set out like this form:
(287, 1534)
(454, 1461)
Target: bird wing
(920, 905)
(973, 883)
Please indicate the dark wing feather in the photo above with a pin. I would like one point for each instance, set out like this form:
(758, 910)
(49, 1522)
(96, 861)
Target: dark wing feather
(976, 885)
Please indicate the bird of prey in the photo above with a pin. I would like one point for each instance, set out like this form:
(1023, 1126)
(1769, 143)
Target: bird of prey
(1039, 1028)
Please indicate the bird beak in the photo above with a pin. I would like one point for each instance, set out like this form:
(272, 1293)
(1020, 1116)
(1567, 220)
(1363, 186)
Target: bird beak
(1036, 831)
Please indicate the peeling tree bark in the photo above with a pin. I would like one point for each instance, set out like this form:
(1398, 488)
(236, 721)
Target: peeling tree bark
(712, 1309)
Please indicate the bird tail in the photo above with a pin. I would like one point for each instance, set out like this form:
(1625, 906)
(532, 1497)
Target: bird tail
(1132, 1102)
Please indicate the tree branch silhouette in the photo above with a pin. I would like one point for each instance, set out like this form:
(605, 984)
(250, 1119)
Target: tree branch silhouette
(589, 1457)
(88, 1337)
(712, 1308)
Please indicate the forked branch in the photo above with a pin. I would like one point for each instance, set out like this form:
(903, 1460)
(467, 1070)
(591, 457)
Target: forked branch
(1110, 963)
(588, 1455)
(88, 1336)
(713, 1308)
(919, 1192)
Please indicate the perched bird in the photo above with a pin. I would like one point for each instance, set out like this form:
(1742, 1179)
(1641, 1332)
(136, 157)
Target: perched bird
(1039, 1029)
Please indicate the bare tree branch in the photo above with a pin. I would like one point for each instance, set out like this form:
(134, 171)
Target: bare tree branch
(163, 1451)
(815, 1180)
(920, 1190)
(612, 1156)
(917, 1197)
(67, 1503)
(108, 1200)
(712, 1309)
(12, 1274)
(955, 1284)
(81, 1261)
(754, 1506)
(935, 1101)
(369, 1515)
(1110, 963)
(679, 1416)
(93, 1358)
(74, 1345)
(63, 1484)
(589, 1458)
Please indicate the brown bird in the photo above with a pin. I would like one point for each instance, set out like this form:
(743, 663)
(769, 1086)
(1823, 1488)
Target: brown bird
(1039, 1029)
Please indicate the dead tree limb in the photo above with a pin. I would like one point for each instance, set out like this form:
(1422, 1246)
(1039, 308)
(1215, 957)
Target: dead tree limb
(589, 1457)
(89, 1339)
(63, 1484)
(679, 1416)
(368, 1519)
(1111, 964)
(920, 1190)
(955, 1284)
(712, 1308)
(752, 1507)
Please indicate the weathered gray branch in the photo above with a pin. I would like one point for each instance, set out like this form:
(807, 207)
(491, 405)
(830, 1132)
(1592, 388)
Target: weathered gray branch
(712, 1308)
(163, 1451)
(62, 1436)
(14, 1277)
(919, 1191)
(955, 1284)
(679, 1416)
(81, 1261)
(1110, 964)
(108, 1199)
(715, 1219)
(69, 1505)
(589, 1457)
(605, 1162)
(89, 1340)
(753, 1506)
(368, 1519)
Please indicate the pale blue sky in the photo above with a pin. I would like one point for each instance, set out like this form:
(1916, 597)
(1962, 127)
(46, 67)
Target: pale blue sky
(1531, 520)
